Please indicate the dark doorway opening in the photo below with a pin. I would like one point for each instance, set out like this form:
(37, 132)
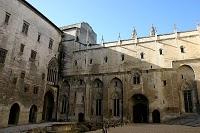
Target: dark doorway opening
(140, 109)
(156, 116)
(14, 114)
(48, 106)
(33, 114)
(81, 117)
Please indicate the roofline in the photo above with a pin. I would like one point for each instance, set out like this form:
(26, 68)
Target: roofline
(40, 14)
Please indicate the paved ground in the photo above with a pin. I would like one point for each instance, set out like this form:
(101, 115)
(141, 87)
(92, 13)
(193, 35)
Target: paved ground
(22, 128)
(133, 128)
(150, 128)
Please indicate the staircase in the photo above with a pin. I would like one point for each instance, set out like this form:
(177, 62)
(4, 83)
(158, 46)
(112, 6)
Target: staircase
(185, 119)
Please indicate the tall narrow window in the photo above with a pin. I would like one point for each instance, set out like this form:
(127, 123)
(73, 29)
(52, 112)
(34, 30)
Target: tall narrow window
(136, 78)
(22, 76)
(182, 49)
(161, 51)
(25, 27)
(98, 107)
(90, 61)
(7, 18)
(3, 53)
(64, 103)
(75, 63)
(50, 43)
(116, 107)
(35, 90)
(33, 54)
(164, 82)
(39, 36)
(122, 57)
(106, 59)
(22, 48)
(142, 55)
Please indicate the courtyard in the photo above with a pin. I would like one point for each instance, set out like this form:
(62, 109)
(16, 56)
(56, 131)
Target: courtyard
(152, 128)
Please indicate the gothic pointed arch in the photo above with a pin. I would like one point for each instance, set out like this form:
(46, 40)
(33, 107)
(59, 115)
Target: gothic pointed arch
(97, 97)
(116, 95)
(33, 114)
(48, 106)
(188, 89)
(52, 75)
(140, 108)
(14, 114)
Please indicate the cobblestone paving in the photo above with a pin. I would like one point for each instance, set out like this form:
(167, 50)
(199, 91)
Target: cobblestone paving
(150, 128)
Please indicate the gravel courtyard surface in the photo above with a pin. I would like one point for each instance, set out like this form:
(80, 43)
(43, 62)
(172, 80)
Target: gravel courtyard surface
(151, 128)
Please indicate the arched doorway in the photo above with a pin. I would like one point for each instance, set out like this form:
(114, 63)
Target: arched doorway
(33, 114)
(81, 117)
(14, 114)
(48, 106)
(140, 109)
(156, 116)
(188, 89)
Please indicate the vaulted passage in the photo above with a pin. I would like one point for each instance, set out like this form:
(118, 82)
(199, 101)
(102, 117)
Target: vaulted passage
(33, 114)
(48, 106)
(140, 109)
(14, 114)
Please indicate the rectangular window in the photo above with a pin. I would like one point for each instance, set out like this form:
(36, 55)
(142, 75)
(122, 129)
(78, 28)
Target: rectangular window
(7, 18)
(164, 82)
(33, 54)
(35, 90)
(182, 48)
(22, 48)
(161, 51)
(25, 27)
(39, 36)
(142, 55)
(90, 61)
(122, 57)
(50, 43)
(3, 53)
(22, 76)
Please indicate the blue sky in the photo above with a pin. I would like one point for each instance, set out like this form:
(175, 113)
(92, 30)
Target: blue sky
(111, 17)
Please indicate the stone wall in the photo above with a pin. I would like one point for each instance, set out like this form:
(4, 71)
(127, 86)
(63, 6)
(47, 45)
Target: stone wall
(15, 87)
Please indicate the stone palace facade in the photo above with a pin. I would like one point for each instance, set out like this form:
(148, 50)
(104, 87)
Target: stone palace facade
(61, 74)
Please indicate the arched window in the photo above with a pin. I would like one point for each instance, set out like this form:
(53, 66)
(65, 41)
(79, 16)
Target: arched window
(98, 97)
(136, 78)
(117, 96)
(52, 75)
